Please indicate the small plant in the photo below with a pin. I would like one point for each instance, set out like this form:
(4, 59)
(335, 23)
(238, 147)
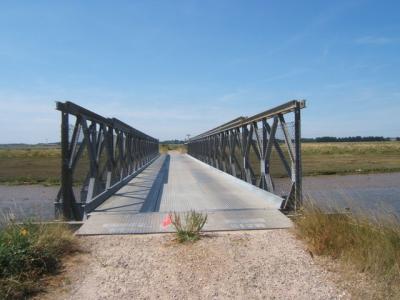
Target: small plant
(188, 225)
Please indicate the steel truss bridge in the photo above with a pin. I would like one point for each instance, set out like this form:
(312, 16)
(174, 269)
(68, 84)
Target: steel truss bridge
(244, 173)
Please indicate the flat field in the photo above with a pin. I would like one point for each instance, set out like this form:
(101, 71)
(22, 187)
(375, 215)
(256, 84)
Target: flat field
(30, 166)
(350, 158)
(42, 166)
(164, 148)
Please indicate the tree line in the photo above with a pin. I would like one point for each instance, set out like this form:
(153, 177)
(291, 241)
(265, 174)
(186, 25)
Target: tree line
(322, 139)
(332, 139)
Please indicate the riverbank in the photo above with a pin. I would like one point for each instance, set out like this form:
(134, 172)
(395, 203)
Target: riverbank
(370, 192)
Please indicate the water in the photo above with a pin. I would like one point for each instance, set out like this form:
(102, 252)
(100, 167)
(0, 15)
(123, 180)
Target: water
(28, 201)
(373, 192)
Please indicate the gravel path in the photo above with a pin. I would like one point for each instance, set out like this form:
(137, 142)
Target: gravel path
(236, 265)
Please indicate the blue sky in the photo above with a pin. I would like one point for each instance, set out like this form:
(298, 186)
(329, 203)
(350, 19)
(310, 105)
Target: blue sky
(175, 67)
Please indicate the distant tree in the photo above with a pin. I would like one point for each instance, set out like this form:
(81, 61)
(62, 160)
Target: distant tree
(166, 142)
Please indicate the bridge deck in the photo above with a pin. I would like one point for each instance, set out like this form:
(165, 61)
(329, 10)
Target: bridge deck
(178, 182)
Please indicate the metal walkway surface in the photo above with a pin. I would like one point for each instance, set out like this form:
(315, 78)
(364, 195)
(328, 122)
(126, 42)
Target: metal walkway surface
(178, 182)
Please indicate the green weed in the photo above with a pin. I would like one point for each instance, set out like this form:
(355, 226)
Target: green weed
(188, 228)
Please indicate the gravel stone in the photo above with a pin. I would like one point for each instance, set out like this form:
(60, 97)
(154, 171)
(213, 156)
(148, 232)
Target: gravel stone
(264, 264)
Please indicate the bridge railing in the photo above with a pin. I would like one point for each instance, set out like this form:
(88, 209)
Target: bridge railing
(99, 155)
(264, 150)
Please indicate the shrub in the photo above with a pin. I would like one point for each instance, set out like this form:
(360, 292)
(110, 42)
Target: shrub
(27, 252)
(188, 229)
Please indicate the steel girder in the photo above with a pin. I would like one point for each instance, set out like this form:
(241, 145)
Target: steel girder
(227, 147)
(115, 151)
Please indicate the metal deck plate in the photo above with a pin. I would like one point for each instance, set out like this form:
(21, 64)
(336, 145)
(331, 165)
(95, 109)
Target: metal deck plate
(180, 183)
(220, 220)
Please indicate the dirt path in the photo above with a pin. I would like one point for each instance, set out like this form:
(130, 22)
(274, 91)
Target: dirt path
(236, 265)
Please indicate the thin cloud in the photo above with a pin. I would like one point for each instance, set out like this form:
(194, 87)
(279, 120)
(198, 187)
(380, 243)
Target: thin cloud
(376, 40)
(232, 97)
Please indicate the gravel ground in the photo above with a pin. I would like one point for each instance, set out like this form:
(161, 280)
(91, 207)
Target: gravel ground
(227, 265)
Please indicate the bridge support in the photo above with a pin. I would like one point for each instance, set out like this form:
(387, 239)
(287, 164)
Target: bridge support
(98, 158)
(251, 147)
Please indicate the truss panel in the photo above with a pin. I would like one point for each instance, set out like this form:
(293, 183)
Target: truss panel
(262, 150)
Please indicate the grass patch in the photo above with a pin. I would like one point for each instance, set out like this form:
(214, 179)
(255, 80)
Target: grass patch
(28, 252)
(188, 228)
(350, 158)
(30, 166)
(164, 148)
(367, 245)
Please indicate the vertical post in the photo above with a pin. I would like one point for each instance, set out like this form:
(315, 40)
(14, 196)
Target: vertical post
(298, 167)
(66, 176)
(246, 136)
(231, 140)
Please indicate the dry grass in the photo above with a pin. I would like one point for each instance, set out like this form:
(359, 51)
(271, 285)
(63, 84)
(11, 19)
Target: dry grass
(357, 148)
(368, 246)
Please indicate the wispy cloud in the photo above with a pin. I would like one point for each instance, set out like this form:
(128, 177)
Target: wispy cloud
(232, 96)
(376, 40)
(285, 75)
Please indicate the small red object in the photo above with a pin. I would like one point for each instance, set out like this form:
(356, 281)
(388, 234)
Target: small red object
(167, 221)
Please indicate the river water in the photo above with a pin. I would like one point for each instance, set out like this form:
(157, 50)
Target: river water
(376, 193)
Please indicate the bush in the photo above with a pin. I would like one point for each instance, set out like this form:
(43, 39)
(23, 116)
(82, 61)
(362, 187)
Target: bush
(189, 229)
(27, 252)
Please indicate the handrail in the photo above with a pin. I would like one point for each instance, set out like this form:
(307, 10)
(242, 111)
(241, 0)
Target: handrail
(241, 121)
(74, 109)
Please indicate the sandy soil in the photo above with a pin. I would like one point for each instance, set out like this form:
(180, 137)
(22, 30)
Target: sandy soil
(236, 265)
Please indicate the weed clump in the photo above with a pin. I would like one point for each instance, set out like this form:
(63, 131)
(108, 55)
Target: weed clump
(27, 252)
(188, 225)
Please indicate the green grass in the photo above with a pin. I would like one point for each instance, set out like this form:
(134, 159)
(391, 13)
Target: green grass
(188, 225)
(27, 253)
(366, 245)
(43, 166)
